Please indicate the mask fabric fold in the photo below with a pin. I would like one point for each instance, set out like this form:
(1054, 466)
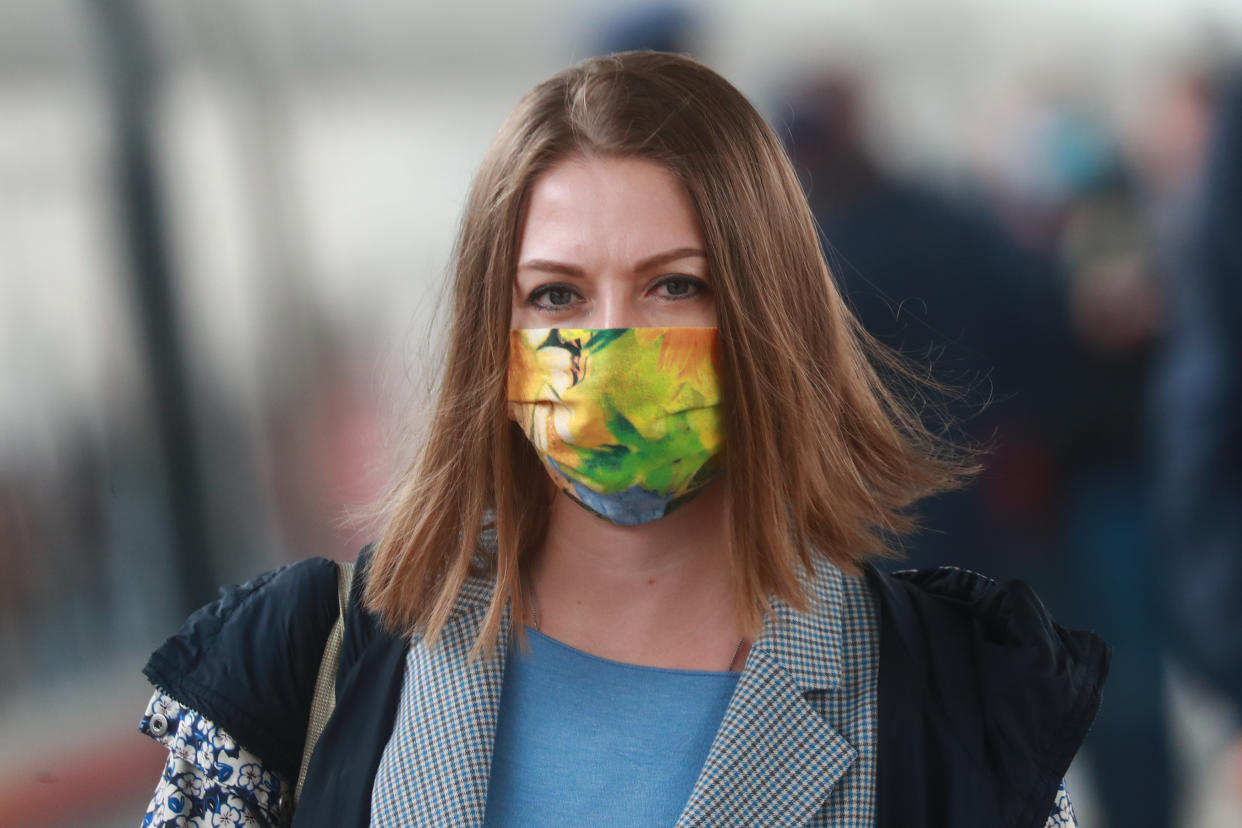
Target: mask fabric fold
(627, 421)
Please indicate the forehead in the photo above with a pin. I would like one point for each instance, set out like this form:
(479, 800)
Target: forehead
(605, 208)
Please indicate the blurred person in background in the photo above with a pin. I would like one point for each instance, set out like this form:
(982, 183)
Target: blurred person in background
(1109, 569)
(629, 572)
(1197, 421)
(943, 283)
(1060, 321)
(658, 26)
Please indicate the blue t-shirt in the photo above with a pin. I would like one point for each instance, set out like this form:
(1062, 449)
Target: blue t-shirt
(586, 741)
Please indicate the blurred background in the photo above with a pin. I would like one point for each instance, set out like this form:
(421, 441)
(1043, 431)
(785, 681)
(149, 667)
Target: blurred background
(224, 228)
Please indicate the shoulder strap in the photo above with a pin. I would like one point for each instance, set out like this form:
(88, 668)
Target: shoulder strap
(325, 684)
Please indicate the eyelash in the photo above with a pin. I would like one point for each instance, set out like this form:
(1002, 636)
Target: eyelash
(698, 286)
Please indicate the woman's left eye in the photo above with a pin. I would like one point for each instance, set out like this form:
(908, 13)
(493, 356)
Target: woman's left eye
(680, 287)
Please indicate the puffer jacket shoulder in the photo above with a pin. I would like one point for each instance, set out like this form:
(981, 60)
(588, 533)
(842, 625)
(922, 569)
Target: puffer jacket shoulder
(249, 659)
(984, 700)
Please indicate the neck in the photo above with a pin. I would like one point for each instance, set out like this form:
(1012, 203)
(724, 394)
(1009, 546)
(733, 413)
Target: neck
(659, 594)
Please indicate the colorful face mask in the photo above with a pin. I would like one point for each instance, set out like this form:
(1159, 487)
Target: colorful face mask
(626, 420)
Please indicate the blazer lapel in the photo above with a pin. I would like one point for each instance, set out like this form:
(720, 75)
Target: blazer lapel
(775, 760)
(440, 770)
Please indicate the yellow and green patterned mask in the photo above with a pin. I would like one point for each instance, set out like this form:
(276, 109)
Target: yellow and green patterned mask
(626, 420)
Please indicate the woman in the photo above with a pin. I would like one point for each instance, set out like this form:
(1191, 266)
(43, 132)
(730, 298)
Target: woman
(662, 442)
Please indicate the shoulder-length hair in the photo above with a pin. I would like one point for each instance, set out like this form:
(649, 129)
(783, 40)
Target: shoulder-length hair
(823, 454)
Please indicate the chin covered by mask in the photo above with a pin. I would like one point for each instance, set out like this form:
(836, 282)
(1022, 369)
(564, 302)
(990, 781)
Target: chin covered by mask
(627, 421)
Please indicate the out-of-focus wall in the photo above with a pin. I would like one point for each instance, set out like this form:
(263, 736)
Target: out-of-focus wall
(307, 164)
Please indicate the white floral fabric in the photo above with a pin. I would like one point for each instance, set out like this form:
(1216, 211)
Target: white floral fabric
(1062, 815)
(209, 781)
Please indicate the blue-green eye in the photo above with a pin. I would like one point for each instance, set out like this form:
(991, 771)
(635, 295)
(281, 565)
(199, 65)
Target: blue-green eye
(680, 287)
(552, 297)
(558, 296)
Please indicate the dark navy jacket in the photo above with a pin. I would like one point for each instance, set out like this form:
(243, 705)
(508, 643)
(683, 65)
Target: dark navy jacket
(983, 699)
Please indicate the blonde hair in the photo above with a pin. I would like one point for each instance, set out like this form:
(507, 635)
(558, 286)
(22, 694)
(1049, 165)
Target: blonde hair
(823, 455)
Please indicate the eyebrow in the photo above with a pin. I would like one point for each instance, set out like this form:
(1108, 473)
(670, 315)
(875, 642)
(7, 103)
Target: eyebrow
(658, 259)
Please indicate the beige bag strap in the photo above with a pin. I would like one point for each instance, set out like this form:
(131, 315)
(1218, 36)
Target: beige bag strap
(325, 683)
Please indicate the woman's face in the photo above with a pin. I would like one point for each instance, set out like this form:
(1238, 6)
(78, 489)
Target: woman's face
(611, 243)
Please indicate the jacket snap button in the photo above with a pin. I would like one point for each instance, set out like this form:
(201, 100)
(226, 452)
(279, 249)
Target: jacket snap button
(158, 725)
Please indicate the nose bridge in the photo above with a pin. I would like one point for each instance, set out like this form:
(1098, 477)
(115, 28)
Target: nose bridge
(616, 304)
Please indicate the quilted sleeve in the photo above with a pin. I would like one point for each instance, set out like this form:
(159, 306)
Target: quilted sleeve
(208, 779)
(249, 659)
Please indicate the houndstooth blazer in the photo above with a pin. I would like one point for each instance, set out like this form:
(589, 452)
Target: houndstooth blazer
(796, 746)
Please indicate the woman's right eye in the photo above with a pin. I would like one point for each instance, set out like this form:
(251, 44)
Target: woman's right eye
(552, 297)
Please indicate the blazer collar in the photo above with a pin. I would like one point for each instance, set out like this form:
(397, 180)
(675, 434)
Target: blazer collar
(438, 765)
(773, 762)
(775, 759)
(808, 645)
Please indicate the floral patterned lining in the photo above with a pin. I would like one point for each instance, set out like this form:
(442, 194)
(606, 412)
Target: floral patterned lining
(208, 779)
